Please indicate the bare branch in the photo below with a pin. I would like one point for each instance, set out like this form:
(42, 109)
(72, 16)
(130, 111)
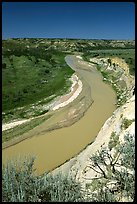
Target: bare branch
(94, 169)
(117, 158)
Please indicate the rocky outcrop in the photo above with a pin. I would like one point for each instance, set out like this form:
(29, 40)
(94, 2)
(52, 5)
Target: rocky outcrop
(115, 71)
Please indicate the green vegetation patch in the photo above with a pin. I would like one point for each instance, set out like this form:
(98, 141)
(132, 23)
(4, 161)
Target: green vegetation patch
(31, 73)
(126, 123)
(20, 184)
(127, 54)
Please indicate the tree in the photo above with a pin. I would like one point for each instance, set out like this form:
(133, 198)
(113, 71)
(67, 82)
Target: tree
(109, 61)
(115, 168)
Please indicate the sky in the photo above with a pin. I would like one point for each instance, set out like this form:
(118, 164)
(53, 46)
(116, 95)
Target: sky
(79, 20)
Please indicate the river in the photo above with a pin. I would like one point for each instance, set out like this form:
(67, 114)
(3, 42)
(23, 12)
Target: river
(54, 148)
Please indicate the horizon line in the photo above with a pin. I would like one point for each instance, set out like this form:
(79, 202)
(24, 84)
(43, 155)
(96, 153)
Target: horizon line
(67, 38)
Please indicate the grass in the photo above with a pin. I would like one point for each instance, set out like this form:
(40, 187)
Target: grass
(24, 113)
(29, 75)
(27, 79)
(21, 129)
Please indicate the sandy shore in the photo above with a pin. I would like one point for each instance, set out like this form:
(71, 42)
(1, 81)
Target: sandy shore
(7, 126)
(76, 89)
(62, 101)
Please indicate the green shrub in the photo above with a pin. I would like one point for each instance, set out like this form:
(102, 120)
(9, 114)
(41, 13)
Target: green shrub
(115, 166)
(126, 123)
(19, 184)
(60, 189)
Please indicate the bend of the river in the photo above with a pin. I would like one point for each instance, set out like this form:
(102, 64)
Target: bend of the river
(54, 148)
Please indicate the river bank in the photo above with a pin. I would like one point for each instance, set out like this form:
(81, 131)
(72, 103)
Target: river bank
(79, 166)
(77, 102)
(55, 147)
(58, 102)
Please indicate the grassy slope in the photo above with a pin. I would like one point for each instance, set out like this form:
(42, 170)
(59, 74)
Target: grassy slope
(30, 74)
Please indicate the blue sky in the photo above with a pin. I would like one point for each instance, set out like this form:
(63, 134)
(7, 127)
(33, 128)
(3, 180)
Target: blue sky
(86, 20)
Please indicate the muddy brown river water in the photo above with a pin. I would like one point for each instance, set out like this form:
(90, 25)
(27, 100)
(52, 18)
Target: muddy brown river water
(54, 148)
